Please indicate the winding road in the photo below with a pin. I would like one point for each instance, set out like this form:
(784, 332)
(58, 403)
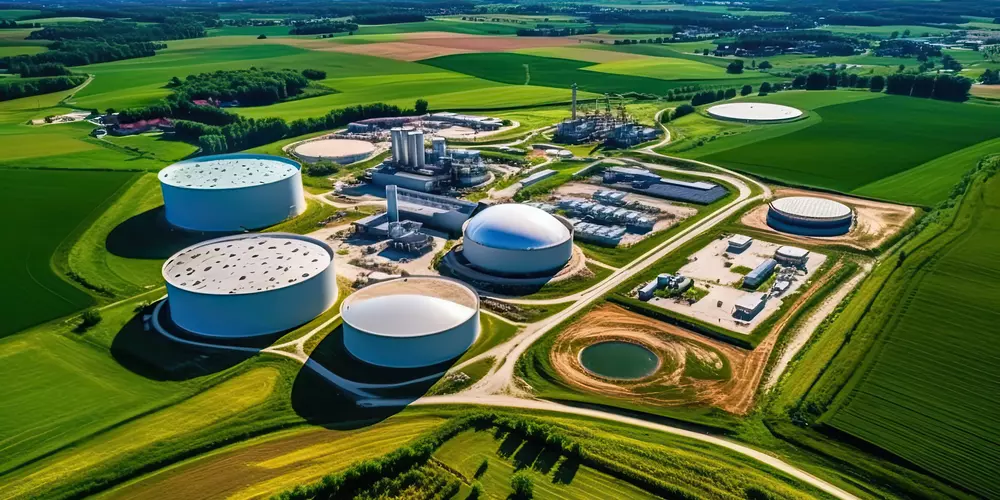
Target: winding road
(499, 387)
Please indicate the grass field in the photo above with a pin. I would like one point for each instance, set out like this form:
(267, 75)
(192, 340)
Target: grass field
(51, 208)
(18, 13)
(276, 462)
(522, 69)
(668, 69)
(861, 143)
(928, 389)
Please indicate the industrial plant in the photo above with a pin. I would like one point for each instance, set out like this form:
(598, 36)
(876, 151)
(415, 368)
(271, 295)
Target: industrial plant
(232, 192)
(411, 322)
(250, 284)
(643, 181)
(411, 166)
(614, 129)
(810, 216)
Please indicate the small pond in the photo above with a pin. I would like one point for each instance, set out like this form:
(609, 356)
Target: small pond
(619, 360)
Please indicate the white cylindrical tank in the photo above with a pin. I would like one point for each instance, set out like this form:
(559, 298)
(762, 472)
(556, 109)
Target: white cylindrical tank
(395, 134)
(250, 284)
(232, 192)
(517, 240)
(410, 322)
(416, 148)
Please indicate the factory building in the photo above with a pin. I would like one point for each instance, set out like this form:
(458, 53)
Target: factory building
(517, 240)
(675, 284)
(410, 322)
(645, 182)
(749, 306)
(609, 236)
(760, 274)
(470, 121)
(232, 192)
(408, 212)
(577, 207)
(810, 216)
(791, 256)
(412, 168)
(610, 197)
(250, 284)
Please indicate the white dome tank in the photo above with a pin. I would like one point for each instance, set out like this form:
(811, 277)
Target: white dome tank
(517, 240)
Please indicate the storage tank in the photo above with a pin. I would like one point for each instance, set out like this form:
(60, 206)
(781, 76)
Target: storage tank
(517, 240)
(810, 216)
(231, 192)
(410, 322)
(250, 284)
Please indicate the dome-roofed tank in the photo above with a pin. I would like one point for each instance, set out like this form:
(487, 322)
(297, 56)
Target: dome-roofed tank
(514, 239)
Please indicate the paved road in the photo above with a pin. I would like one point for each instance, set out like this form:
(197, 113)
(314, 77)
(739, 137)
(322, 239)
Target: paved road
(497, 387)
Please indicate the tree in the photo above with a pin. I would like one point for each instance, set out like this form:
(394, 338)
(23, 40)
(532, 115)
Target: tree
(923, 86)
(730, 93)
(522, 485)
(816, 81)
(765, 88)
(420, 106)
(799, 82)
(705, 52)
(682, 110)
(746, 90)
(314, 74)
(764, 65)
(894, 35)
(477, 491)
(901, 68)
(877, 83)
(483, 467)
(262, 37)
(990, 77)
(89, 319)
(735, 67)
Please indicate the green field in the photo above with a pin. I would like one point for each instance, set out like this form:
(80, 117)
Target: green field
(49, 209)
(18, 13)
(663, 68)
(858, 144)
(927, 391)
(523, 69)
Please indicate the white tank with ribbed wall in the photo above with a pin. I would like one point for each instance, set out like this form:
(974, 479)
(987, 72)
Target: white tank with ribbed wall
(232, 192)
(250, 284)
(517, 240)
(410, 322)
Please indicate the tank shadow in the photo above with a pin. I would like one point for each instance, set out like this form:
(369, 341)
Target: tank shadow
(321, 401)
(149, 236)
(145, 352)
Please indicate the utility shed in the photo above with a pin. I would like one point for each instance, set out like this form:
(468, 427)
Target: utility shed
(749, 306)
(739, 243)
(647, 290)
(760, 273)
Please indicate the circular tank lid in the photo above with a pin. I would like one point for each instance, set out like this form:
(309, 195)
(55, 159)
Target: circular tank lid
(406, 315)
(246, 264)
(228, 171)
(754, 111)
(513, 226)
(811, 207)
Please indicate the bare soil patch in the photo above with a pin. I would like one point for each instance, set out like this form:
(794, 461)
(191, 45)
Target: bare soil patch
(400, 51)
(875, 221)
(478, 43)
(988, 91)
(694, 369)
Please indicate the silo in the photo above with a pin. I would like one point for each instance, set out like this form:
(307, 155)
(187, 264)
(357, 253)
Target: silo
(416, 148)
(397, 134)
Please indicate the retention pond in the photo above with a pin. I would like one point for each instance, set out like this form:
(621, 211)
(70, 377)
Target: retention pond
(619, 360)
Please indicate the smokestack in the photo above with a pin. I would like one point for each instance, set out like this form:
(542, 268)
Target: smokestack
(574, 100)
(391, 204)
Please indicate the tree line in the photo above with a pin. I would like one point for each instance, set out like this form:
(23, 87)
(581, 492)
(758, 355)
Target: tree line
(943, 87)
(322, 27)
(82, 53)
(11, 88)
(587, 30)
(121, 32)
(389, 18)
(251, 87)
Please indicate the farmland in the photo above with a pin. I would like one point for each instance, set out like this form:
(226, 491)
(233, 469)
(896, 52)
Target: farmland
(522, 69)
(927, 390)
(860, 143)
(63, 203)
